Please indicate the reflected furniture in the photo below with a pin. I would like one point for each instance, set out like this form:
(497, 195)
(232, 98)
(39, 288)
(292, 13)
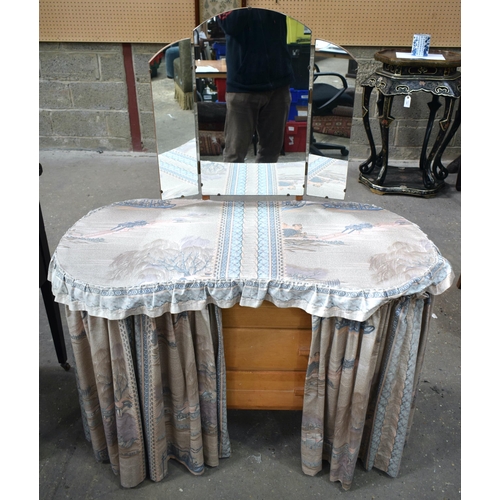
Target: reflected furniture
(211, 68)
(402, 76)
(183, 75)
(171, 54)
(326, 97)
(211, 117)
(144, 283)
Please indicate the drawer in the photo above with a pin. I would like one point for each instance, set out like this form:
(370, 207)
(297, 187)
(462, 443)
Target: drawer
(266, 348)
(266, 351)
(266, 316)
(265, 390)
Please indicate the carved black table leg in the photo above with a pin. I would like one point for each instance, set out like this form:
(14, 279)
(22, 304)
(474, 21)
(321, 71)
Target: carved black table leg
(385, 120)
(440, 172)
(425, 161)
(367, 166)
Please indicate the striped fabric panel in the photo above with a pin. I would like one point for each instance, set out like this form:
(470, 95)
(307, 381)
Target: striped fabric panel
(237, 179)
(270, 248)
(267, 183)
(230, 248)
(240, 222)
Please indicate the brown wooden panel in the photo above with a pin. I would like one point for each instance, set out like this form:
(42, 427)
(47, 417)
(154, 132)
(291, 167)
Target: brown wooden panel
(266, 390)
(146, 21)
(268, 400)
(382, 23)
(266, 316)
(266, 349)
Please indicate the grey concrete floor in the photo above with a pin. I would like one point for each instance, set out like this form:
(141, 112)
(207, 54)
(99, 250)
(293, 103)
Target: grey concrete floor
(265, 461)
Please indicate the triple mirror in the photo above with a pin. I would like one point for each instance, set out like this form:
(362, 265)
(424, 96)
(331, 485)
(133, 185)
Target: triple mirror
(194, 115)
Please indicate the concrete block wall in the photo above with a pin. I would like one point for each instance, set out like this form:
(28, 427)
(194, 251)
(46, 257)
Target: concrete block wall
(84, 102)
(83, 96)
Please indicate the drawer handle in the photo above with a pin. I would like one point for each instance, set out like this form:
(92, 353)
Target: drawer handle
(298, 391)
(304, 351)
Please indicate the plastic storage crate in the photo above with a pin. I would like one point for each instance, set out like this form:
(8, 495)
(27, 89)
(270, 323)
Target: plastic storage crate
(299, 101)
(219, 49)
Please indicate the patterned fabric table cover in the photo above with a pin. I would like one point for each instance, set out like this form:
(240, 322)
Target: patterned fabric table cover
(156, 256)
(143, 282)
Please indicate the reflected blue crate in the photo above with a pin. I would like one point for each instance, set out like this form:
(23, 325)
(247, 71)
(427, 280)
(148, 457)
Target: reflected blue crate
(299, 98)
(219, 49)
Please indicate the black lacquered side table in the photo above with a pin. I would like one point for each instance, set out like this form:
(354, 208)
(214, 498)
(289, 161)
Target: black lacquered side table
(403, 77)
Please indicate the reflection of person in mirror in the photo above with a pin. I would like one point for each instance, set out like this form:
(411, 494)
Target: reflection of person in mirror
(259, 74)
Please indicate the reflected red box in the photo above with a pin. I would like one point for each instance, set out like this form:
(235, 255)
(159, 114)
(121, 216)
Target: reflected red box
(295, 137)
(220, 83)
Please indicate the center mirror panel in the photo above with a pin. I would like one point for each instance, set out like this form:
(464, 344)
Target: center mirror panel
(252, 80)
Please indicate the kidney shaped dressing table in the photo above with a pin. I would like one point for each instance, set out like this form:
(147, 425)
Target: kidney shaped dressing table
(145, 281)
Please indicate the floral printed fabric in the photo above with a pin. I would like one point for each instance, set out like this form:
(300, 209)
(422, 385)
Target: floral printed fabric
(360, 389)
(331, 259)
(152, 389)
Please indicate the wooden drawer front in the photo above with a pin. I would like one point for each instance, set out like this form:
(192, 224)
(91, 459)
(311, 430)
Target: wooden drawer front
(265, 390)
(266, 351)
(266, 316)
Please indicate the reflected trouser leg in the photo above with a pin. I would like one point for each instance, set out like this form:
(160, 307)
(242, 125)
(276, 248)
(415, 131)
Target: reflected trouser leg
(241, 117)
(271, 125)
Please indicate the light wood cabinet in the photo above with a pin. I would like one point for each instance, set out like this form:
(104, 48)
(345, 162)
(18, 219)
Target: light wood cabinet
(266, 351)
